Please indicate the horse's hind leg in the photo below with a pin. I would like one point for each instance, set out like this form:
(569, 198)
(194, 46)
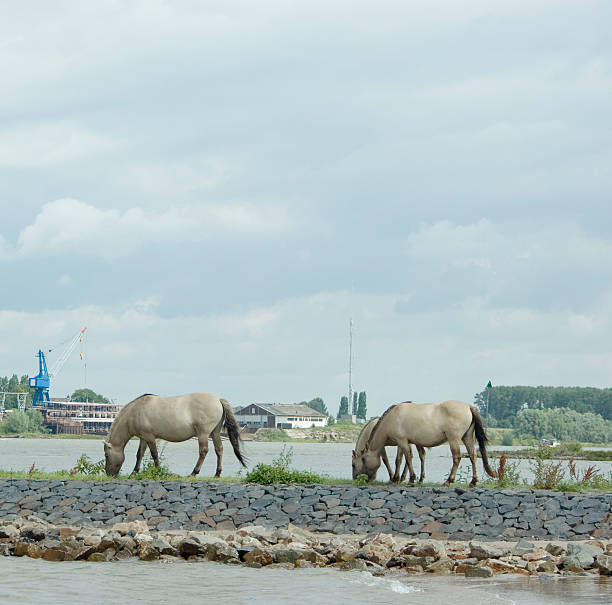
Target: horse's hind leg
(203, 443)
(142, 446)
(399, 457)
(421, 451)
(218, 443)
(153, 449)
(468, 440)
(455, 449)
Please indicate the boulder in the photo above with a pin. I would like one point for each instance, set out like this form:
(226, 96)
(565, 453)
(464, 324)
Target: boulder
(148, 552)
(604, 564)
(484, 550)
(584, 554)
(258, 557)
(443, 566)
(478, 572)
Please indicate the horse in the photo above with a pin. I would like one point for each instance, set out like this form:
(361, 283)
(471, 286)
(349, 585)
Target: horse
(428, 425)
(152, 417)
(394, 477)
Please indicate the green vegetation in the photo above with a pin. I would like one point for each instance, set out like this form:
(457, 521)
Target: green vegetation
(266, 434)
(88, 395)
(359, 407)
(28, 421)
(343, 409)
(84, 466)
(316, 404)
(506, 402)
(564, 424)
(15, 385)
(280, 472)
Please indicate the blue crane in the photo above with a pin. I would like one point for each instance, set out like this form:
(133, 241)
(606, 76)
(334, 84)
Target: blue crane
(42, 381)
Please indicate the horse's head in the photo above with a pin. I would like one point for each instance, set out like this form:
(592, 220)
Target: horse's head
(370, 461)
(114, 458)
(357, 465)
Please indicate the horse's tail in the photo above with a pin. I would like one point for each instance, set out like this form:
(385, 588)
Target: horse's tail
(482, 439)
(233, 430)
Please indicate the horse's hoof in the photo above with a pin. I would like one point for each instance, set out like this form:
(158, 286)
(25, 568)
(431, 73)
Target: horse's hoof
(473, 483)
(217, 475)
(447, 483)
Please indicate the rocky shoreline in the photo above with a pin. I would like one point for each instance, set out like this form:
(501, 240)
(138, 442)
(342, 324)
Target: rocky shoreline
(293, 547)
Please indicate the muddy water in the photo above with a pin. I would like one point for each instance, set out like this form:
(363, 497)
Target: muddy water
(24, 580)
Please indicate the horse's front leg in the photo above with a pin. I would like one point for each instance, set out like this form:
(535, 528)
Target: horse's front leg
(142, 446)
(203, 443)
(383, 456)
(407, 451)
(408, 466)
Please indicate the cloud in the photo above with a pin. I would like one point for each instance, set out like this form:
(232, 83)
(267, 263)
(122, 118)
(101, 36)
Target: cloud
(71, 226)
(50, 144)
(520, 263)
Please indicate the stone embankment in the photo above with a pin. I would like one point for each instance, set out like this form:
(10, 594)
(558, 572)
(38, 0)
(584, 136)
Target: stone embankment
(417, 512)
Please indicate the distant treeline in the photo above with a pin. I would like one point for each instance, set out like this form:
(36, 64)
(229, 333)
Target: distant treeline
(504, 403)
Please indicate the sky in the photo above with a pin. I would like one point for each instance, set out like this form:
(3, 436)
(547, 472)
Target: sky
(215, 189)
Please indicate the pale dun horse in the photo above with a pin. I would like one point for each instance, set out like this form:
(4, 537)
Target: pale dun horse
(152, 417)
(428, 425)
(394, 476)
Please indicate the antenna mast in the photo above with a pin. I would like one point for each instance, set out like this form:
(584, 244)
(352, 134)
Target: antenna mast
(350, 382)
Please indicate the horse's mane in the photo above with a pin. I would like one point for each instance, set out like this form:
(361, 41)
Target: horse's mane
(381, 419)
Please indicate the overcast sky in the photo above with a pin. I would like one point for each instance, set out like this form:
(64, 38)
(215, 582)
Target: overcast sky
(214, 189)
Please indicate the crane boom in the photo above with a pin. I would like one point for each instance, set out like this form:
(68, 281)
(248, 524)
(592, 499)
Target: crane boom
(61, 360)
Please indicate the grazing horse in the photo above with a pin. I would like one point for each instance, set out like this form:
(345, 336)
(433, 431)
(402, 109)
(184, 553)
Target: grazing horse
(428, 425)
(357, 464)
(179, 418)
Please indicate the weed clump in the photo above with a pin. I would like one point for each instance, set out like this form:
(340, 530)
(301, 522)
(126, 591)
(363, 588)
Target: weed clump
(280, 472)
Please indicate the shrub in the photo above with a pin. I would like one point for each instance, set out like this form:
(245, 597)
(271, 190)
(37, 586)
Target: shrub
(84, 466)
(548, 475)
(280, 472)
(508, 438)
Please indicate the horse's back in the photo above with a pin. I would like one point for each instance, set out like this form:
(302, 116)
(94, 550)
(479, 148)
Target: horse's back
(175, 418)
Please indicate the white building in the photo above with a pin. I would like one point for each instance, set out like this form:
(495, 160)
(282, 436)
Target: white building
(276, 415)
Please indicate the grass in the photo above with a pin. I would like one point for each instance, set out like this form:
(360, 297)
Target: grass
(549, 473)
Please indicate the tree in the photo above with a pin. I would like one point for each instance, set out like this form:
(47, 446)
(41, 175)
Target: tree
(354, 412)
(88, 395)
(318, 404)
(15, 385)
(17, 422)
(343, 406)
(362, 409)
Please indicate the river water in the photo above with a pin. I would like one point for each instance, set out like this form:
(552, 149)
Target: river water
(332, 459)
(24, 580)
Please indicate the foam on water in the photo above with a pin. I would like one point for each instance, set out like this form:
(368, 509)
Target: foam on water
(367, 579)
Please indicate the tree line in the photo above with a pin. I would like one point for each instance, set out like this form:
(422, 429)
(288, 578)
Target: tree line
(359, 408)
(503, 403)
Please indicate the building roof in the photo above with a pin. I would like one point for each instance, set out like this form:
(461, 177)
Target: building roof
(281, 409)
